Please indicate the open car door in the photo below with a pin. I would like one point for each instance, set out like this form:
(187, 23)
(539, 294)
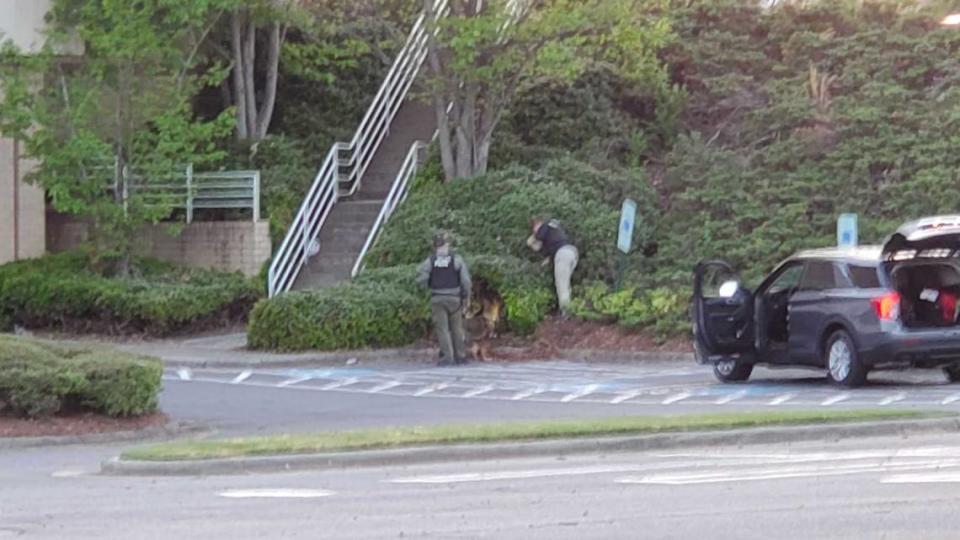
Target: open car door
(722, 313)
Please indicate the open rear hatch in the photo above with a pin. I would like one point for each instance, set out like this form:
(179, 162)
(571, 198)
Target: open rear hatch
(923, 261)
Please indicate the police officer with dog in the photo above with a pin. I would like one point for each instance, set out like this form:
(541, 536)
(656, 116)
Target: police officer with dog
(446, 275)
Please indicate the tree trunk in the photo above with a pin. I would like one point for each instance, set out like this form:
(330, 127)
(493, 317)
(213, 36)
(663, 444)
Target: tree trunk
(270, 91)
(239, 81)
(249, 66)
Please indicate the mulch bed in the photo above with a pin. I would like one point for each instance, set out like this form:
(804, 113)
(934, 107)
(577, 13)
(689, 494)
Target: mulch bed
(75, 424)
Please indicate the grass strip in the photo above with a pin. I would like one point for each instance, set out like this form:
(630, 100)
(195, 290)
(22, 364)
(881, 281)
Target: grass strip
(393, 437)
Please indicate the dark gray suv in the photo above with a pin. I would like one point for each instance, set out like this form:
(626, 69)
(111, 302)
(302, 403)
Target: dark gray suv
(848, 311)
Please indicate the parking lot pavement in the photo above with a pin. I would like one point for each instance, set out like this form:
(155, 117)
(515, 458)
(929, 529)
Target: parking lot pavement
(663, 386)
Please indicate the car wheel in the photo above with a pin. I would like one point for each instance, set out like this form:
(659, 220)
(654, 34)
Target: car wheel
(732, 370)
(842, 360)
(952, 373)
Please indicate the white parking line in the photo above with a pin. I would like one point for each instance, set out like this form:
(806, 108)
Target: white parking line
(339, 384)
(275, 493)
(929, 478)
(431, 389)
(893, 399)
(835, 399)
(524, 394)
(384, 386)
(295, 380)
(950, 399)
(477, 391)
(626, 396)
(184, 374)
(585, 391)
(242, 377)
(780, 400)
(732, 397)
(676, 397)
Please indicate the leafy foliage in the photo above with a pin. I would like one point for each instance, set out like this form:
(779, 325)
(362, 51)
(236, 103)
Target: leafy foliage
(662, 310)
(40, 379)
(62, 291)
(491, 215)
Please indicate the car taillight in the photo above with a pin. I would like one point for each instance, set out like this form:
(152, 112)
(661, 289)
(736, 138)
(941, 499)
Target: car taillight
(887, 306)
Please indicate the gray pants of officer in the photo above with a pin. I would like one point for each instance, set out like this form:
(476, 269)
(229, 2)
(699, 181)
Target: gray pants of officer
(448, 323)
(564, 263)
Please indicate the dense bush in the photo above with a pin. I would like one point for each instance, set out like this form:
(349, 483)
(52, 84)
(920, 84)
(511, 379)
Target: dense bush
(661, 310)
(800, 113)
(385, 307)
(40, 379)
(62, 291)
(490, 215)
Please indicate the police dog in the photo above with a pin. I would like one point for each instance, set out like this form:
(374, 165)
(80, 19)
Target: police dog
(482, 319)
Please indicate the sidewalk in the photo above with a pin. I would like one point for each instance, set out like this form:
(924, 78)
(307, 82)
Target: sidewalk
(230, 351)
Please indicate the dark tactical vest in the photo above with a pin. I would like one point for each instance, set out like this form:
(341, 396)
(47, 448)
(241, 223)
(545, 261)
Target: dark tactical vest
(443, 273)
(554, 237)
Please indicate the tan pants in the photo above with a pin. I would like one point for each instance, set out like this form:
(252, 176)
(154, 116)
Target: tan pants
(564, 263)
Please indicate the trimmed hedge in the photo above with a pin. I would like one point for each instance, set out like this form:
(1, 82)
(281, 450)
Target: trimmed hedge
(385, 308)
(662, 310)
(61, 291)
(40, 379)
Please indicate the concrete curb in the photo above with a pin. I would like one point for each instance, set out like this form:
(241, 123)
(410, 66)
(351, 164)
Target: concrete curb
(425, 356)
(168, 431)
(432, 454)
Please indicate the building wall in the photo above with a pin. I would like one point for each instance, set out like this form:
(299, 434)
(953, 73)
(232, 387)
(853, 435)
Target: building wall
(22, 230)
(232, 246)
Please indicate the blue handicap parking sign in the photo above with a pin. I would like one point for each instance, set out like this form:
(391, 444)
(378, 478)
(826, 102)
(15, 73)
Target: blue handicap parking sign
(847, 230)
(628, 217)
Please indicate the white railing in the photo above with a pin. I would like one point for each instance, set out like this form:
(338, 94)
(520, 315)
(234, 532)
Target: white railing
(192, 191)
(398, 192)
(345, 173)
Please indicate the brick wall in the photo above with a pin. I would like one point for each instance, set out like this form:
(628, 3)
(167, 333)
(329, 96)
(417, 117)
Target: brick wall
(241, 246)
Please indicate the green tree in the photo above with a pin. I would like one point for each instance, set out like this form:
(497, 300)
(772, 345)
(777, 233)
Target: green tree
(107, 121)
(482, 52)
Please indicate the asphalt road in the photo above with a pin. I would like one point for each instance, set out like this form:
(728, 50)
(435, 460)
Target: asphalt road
(864, 489)
(276, 400)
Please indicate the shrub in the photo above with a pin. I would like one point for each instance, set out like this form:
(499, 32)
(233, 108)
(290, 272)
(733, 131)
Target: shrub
(39, 379)
(662, 310)
(384, 307)
(61, 291)
(490, 215)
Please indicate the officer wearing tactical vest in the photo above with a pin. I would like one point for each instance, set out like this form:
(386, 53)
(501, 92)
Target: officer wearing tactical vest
(552, 242)
(448, 279)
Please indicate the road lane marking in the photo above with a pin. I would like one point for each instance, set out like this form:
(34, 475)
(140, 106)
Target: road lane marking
(676, 397)
(780, 400)
(244, 375)
(781, 473)
(927, 478)
(293, 381)
(732, 397)
(950, 399)
(431, 389)
(835, 399)
(477, 391)
(626, 396)
(69, 473)
(339, 384)
(275, 493)
(893, 399)
(493, 476)
(184, 374)
(585, 391)
(384, 386)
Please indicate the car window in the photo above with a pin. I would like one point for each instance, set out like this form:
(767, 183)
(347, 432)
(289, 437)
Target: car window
(789, 278)
(822, 276)
(864, 277)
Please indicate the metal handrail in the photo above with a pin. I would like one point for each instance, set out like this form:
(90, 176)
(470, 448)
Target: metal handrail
(398, 192)
(330, 180)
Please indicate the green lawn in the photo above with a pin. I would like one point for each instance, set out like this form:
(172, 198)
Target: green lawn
(498, 432)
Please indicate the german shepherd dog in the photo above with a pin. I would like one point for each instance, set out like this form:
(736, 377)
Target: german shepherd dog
(482, 319)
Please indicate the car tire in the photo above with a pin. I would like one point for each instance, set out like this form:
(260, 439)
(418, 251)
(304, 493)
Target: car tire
(952, 373)
(730, 371)
(842, 360)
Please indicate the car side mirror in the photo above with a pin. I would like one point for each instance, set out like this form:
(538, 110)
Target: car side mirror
(729, 289)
